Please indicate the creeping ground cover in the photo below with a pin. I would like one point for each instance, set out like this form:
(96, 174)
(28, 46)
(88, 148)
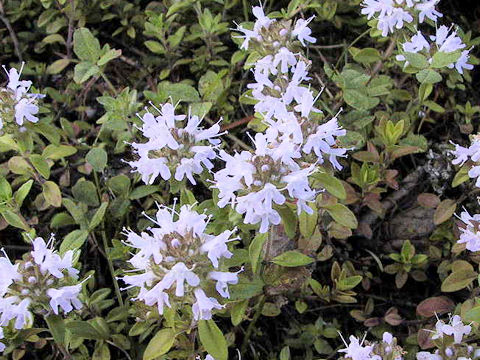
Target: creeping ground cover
(226, 179)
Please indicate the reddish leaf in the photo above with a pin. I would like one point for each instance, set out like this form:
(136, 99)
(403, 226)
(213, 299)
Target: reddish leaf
(435, 305)
(428, 200)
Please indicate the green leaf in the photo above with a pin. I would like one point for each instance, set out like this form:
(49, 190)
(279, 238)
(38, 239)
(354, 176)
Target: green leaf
(108, 56)
(14, 219)
(255, 250)
(5, 190)
(342, 215)
(142, 191)
(73, 240)
(461, 176)
(442, 59)
(83, 71)
(237, 311)
(458, 280)
(473, 315)
(308, 222)
(41, 165)
(348, 283)
(84, 330)
(329, 183)
(428, 76)
(98, 216)
(56, 326)
(57, 66)
(292, 258)
(85, 45)
(212, 339)
(22, 193)
(417, 60)
(444, 211)
(86, 192)
(56, 152)
(289, 220)
(52, 193)
(160, 344)
(98, 158)
(367, 56)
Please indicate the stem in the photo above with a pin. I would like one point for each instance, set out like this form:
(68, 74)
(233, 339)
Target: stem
(251, 326)
(105, 247)
(69, 43)
(109, 83)
(5, 20)
(349, 46)
(245, 9)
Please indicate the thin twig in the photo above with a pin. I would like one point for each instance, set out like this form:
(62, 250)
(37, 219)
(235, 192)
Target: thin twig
(13, 36)
(69, 44)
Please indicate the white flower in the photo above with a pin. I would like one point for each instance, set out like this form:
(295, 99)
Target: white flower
(285, 58)
(2, 345)
(13, 308)
(356, 351)
(423, 355)
(216, 247)
(303, 32)
(176, 253)
(471, 233)
(223, 279)
(472, 153)
(25, 104)
(49, 261)
(262, 21)
(389, 16)
(462, 62)
(322, 142)
(202, 308)
(179, 274)
(299, 188)
(258, 206)
(65, 297)
(456, 329)
(155, 295)
(387, 338)
(447, 42)
(427, 10)
(416, 44)
(9, 273)
(185, 151)
(25, 109)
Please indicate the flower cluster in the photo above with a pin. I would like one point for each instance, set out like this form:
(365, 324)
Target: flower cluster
(261, 31)
(287, 153)
(43, 282)
(387, 349)
(448, 339)
(183, 151)
(470, 156)
(470, 231)
(17, 102)
(393, 14)
(446, 41)
(178, 259)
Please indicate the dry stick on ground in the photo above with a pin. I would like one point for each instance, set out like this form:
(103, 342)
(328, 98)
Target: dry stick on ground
(13, 36)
